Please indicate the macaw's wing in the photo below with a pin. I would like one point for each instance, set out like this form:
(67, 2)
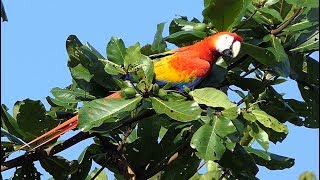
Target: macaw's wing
(180, 69)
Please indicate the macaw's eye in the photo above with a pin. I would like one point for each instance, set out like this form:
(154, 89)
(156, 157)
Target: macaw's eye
(227, 54)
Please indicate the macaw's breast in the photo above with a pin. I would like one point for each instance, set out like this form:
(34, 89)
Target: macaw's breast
(180, 68)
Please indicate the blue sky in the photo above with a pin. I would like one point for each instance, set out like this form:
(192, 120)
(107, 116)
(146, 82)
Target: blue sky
(34, 59)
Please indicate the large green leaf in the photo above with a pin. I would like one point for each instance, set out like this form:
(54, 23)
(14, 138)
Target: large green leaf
(98, 111)
(260, 54)
(223, 126)
(260, 136)
(269, 121)
(222, 13)
(31, 117)
(211, 97)
(116, 50)
(208, 144)
(183, 111)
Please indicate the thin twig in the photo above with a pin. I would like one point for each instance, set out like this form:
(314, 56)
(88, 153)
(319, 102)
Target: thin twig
(287, 23)
(244, 22)
(100, 170)
(124, 138)
(201, 165)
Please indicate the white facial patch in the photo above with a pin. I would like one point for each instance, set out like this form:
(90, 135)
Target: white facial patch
(236, 48)
(224, 42)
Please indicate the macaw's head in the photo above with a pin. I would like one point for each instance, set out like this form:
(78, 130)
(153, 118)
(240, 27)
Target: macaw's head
(226, 44)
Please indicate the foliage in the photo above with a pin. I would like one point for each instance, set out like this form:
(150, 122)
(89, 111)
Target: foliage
(156, 132)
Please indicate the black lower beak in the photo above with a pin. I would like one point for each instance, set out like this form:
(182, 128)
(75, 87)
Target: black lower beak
(227, 54)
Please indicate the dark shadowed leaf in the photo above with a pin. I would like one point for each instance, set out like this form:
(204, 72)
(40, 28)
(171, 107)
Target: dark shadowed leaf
(85, 163)
(31, 117)
(27, 171)
(183, 38)
(240, 163)
(269, 160)
(58, 167)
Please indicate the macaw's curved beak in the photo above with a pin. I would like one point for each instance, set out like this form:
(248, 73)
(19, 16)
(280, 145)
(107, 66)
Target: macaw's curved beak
(232, 52)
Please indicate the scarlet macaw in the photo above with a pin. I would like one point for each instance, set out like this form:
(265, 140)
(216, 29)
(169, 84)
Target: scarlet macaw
(187, 66)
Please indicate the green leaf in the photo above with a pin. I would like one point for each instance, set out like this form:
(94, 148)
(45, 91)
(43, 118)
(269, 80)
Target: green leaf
(311, 44)
(207, 143)
(260, 54)
(260, 136)
(183, 111)
(262, 154)
(304, 3)
(116, 50)
(158, 45)
(269, 121)
(146, 65)
(31, 118)
(98, 111)
(223, 126)
(222, 13)
(211, 97)
(132, 56)
(101, 176)
(183, 38)
(68, 96)
(58, 167)
(269, 160)
(230, 113)
(10, 124)
(275, 15)
(248, 116)
(79, 72)
(283, 65)
(93, 50)
(112, 68)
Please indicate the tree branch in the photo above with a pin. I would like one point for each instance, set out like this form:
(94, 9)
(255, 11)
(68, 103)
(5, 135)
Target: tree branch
(287, 23)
